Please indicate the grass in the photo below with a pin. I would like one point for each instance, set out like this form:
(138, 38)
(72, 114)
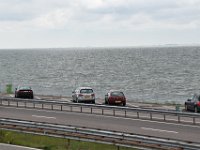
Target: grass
(52, 143)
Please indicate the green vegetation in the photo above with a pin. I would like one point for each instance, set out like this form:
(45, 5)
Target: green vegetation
(9, 89)
(51, 143)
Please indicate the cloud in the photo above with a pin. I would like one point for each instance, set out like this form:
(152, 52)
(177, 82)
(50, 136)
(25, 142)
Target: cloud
(133, 13)
(98, 17)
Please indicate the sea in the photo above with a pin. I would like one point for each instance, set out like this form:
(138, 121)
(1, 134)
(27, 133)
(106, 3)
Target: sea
(162, 74)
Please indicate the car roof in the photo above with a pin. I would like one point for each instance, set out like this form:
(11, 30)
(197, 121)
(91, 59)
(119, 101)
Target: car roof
(115, 91)
(24, 87)
(80, 88)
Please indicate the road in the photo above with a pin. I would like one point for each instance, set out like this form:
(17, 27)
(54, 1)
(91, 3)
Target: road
(136, 126)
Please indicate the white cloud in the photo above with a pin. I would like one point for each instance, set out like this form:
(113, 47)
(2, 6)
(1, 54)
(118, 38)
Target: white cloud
(55, 19)
(99, 16)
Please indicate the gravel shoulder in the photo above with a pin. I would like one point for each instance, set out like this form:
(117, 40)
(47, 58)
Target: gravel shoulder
(134, 104)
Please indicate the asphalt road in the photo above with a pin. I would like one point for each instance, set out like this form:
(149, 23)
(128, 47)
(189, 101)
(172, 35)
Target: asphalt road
(136, 126)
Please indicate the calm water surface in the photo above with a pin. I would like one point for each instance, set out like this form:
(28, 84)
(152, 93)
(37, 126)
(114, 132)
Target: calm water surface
(156, 74)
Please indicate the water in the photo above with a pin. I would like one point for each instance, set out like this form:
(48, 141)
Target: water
(156, 74)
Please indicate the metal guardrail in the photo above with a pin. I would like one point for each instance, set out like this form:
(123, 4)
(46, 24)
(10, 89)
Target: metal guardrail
(117, 111)
(95, 135)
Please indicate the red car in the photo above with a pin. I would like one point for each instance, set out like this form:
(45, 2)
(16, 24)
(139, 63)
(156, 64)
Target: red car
(23, 92)
(115, 97)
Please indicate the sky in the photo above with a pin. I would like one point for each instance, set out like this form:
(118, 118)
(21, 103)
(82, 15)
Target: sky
(98, 23)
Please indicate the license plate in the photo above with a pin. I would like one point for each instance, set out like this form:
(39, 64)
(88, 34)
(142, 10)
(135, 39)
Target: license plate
(87, 97)
(117, 101)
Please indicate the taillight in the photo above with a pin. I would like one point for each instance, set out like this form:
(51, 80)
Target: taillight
(93, 95)
(80, 95)
(198, 104)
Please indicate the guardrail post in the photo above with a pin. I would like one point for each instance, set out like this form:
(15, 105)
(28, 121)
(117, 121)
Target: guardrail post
(194, 120)
(81, 109)
(138, 115)
(33, 105)
(42, 106)
(71, 108)
(125, 113)
(113, 112)
(164, 117)
(8, 103)
(51, 106)
(25, 104)
(151, 116)
(61, 107)
(179, 120)
(17, 104)
(91, 110)
(102, 111)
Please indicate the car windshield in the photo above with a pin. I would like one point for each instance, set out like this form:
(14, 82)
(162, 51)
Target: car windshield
(86, 91)
(117, 94)
(196, 97)
(24, 88)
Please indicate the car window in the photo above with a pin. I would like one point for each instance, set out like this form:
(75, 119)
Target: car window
(194, 97)
(199, 98)
(117, 94)
(25, 88)
(86, 91)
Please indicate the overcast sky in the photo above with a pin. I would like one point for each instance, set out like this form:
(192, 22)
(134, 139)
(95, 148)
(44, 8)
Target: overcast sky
(98, 23)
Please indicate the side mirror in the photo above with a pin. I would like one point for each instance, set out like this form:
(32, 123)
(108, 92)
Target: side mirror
(189, 100)
(73, 92)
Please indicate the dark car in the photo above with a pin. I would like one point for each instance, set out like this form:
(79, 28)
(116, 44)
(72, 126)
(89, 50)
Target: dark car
(193, 104)
(115, 97)
(24, 92)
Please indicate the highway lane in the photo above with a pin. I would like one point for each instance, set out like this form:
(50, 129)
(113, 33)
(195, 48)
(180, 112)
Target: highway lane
(136, 126)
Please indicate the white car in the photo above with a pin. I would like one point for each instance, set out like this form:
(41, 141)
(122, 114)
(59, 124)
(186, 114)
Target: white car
(83, 94)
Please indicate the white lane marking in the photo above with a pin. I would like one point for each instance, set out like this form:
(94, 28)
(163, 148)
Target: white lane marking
(58, 112)
(43, 117)
(158, 130)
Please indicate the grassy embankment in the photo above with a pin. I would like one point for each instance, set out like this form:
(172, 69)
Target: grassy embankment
(51, 143)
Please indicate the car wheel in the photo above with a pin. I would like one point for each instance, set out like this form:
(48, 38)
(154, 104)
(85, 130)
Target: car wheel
(106, 102)
(124, 104)
(93, 102)
(195, 110)
(186, 108)
(77, 100)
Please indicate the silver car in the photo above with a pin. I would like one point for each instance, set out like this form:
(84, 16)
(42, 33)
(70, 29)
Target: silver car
(83, 94)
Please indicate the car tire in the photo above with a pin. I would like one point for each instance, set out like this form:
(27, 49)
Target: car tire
(77, 100)
(195, 109)
(106, 102)
(93, 102)
(186, 108)
(124, 104)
